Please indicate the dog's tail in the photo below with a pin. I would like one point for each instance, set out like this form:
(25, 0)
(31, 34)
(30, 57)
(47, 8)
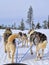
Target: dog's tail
(12, 37)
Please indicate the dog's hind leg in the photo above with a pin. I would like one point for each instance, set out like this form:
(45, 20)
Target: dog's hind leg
(13, 57)
(42, 53)
(13, 52)
(37, 52)
(8, 53)
(5, 47)
(31, 48)
(27, 42)
(43, 46)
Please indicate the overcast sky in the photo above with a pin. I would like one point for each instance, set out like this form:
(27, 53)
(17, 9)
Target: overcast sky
(15, 10)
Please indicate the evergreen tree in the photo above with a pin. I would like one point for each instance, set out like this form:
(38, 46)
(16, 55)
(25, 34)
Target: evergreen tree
(45, 24)
(33, 25)
(30, 17)
(48, 23)
(14, 25)
(21, 26)
(38, 26)
(0, 26)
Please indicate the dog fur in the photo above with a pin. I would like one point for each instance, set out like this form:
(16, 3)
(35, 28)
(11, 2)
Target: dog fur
(6, 34)
(40, 41)
(11, 47)
(24, 38)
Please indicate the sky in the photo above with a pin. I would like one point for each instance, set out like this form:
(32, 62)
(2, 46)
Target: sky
(14, 10)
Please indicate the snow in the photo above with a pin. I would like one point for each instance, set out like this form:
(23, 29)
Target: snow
(28, 59)
(41, 62)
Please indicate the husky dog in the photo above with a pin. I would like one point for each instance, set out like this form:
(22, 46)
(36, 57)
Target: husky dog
(40, 41)
(11, 47)
(24, 38)
(6, 34)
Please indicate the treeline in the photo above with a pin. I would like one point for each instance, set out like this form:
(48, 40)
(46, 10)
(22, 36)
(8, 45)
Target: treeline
(30, 21)
(13, 26)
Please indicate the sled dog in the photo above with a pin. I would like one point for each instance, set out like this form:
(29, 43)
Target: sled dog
(23, 37)
(39, 40)
(11, 47)
(6, 34)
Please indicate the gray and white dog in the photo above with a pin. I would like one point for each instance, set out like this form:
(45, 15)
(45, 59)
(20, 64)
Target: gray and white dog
(39, 40)
(23, 37)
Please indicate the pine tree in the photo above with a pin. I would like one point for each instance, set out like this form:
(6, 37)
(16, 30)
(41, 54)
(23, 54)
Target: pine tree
(45, 24)
(30, 17)
(48, 23)
(21, 26)
(33, 25)
(14, 25)
(38, 26)
(0, 26)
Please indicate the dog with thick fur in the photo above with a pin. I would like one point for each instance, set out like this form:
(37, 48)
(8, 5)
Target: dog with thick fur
(23, 37)
(11, 47)
(6, 34)
(39, 40)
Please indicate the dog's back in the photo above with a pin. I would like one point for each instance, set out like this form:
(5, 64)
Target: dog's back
(37, 37)
(40, 41)
(42, 36)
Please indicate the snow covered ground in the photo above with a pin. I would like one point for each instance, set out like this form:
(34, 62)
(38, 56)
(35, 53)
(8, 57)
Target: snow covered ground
(28, 58)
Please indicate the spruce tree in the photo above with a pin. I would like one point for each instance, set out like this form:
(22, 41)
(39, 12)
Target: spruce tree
(48, 22)
(45, 24)
(30, 17)
(38, 26)
(22, 26)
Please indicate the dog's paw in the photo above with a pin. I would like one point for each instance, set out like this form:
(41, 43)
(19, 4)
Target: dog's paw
(40, 56)
(31, 53)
